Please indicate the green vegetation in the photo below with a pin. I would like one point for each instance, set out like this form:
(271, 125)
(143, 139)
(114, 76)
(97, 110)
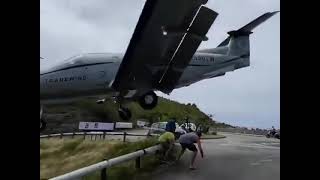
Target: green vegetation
(59, 156)
(88, 110)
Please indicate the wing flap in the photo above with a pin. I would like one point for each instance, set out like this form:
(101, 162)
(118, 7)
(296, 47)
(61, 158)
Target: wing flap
(188, 47)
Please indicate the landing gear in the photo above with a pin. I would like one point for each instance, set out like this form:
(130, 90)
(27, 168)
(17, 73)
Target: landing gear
(148, 100)
(124, 113)
(43, 124)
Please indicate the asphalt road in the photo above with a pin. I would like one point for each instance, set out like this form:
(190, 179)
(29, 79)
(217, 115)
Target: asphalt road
(236, 157)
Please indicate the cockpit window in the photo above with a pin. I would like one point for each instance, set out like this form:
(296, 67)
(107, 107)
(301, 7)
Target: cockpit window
(75, 60)
(91, 58)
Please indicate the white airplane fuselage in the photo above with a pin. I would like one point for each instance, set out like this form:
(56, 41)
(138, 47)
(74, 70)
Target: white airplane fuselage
(92, 74)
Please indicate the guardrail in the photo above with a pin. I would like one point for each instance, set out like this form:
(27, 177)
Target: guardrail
(104, 165)
(244, 134)
(241, 131)
(102, 135)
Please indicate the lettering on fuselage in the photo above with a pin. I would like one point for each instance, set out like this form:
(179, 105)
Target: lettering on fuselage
(203, 58)
(66, 79)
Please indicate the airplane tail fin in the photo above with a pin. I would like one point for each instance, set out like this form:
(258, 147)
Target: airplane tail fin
(237, 43)
(249, 27)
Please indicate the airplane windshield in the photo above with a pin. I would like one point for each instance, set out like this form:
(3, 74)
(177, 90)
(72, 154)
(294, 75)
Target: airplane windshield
(70, 62)
(87, 59)
(73, 60)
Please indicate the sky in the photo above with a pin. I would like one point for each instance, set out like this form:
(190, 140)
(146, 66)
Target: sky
(248, 97)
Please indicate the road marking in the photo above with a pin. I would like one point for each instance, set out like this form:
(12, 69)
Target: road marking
(274, 143)
(266, 160)
(253, 145)
(254, 164)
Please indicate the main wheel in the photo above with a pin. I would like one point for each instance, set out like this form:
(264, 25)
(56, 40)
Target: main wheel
(268, 136)
(43, 124)
(124, 113)
(148, 100)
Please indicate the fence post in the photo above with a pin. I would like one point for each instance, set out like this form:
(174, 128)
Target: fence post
(84, 135)
(124, 136)
(104, 134)
(138, 162)
(61, 135)
(73, 134)
(103, 173)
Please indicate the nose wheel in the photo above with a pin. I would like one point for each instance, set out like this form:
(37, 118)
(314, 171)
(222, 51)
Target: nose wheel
(124, 113)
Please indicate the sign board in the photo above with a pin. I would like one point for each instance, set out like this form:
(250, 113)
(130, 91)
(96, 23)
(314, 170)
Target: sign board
(98, 126)
(123, 125)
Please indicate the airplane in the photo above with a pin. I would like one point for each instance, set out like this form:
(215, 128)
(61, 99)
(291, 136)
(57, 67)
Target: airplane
(161, 56)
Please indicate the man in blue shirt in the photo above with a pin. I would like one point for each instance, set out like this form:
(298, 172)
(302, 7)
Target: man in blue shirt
(171, 125)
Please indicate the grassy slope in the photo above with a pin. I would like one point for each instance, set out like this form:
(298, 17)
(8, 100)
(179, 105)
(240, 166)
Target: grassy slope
(88, 110)
(59, 156)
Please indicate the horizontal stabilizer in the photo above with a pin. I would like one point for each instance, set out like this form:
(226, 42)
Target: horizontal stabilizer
(250, 26)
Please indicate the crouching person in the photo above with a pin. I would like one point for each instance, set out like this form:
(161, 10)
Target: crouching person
(187, 142)
(166, 140)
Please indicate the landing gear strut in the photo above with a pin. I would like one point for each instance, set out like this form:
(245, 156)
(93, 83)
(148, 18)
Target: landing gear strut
(43, 123)
(124, 113)
(147, 101)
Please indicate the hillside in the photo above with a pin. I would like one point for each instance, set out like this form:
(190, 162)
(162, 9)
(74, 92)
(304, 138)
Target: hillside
(65, 118)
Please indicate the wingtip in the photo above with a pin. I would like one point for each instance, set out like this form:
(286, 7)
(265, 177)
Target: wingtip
(274, 12)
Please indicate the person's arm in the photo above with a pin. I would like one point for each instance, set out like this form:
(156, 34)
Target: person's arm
(200, 147)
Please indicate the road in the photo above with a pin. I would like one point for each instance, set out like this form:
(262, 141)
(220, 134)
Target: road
(239, 157)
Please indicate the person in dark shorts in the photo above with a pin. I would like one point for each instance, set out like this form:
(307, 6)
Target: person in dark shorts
(187, 142)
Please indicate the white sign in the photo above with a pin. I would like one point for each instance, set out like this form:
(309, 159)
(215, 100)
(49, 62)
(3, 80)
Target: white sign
(96, 126)
(123, 125)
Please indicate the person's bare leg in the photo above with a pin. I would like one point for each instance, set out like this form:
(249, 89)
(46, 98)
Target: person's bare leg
(181, 153)
(193, 159)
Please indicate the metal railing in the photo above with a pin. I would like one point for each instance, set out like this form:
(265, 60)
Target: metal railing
(104, 165)
(241, 131)
(94, 135)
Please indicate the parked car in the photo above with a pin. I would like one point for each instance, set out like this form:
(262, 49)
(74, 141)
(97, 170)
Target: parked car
(188, 127)
(160, 127)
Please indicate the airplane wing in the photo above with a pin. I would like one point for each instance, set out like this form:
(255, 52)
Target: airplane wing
(165, 38)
